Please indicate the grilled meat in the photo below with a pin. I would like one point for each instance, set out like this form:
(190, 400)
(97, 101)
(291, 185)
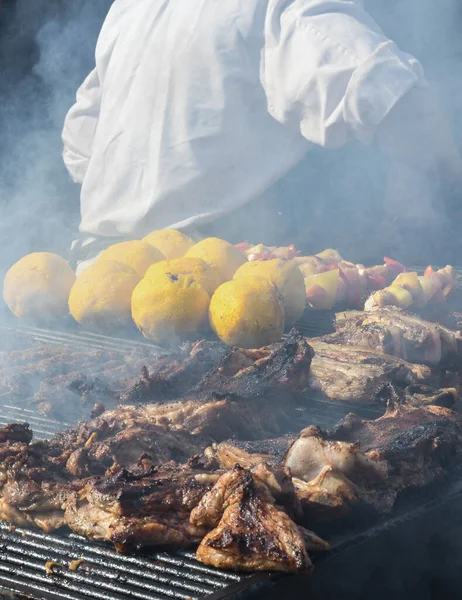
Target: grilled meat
(249, 531)
(34, 485)
(135, 508)
(52, 377)
(311, 452)
(202, 371)
(370, 462)
(16, 432)
(392, 331)
(332, 476)
(278, 369)
(356, 374)
(418, 443)
(175, 376)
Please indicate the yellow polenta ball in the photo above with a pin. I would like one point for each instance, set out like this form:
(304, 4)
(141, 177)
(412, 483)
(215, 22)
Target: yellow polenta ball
(170, 308)
(37, 286)
(101, 296)
(247, 312)
(196, 268)
(219, 254)
(171, 242)
(136, 254)
(288, 278)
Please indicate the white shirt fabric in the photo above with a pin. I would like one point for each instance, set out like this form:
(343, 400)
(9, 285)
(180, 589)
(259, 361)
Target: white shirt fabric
(196, 108)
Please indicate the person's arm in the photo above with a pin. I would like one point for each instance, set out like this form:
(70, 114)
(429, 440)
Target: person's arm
(329, 71)
(80, 127)
(82, 119)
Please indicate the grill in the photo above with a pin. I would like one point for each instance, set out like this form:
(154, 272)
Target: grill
(105, 574)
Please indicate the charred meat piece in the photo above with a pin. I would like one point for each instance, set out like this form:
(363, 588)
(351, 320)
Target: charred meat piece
(174, 376)
(356, 374)
(395, 332)
(278, 369)
(226, 455)
(121, 437)
(249, 532)
(264, 467)
(370, 462)
(34, 487)
(424, 395)
(311, 452)
(332, 476)
(417, 443)
(16, 432)
(136, 508)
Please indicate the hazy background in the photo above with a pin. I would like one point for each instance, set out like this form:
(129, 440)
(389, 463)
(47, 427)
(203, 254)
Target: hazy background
(334, 198)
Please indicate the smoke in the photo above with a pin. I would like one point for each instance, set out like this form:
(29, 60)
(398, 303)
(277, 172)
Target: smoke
(47, 50)
(350, 200)
(333, 199)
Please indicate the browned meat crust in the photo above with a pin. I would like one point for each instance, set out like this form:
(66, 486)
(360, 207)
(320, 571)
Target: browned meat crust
(370, 462)
(397, 333)
(135, 508)
(355, 374)
(249, 531)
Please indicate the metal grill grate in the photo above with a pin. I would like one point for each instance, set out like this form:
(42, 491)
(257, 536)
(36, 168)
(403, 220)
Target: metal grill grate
(105, 573)
(43, 427)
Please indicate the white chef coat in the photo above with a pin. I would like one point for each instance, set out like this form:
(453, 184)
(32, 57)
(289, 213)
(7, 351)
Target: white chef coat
(195, 108)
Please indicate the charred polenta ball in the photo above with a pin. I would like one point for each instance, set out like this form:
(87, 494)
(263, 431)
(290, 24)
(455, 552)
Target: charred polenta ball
(220, 255)
(170, 308)
(288, 278)
(196, 268)
(101, 296)
(171, 242)
(136, 254)
(37, 286)
(247, 312)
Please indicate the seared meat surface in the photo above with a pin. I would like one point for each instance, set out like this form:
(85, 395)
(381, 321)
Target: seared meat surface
(370, 462)
(202, 372)
(418, 443)
(248, 530)
(397, 333)
(356, 374)
(278, 369)
(135, 508)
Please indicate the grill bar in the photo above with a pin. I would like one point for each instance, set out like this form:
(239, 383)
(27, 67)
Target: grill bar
(83, 339)
(105, 573)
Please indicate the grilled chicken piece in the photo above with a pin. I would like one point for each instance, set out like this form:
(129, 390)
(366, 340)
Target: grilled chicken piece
(395, 332)
(370, 462)
(34, 486)
(356, 374)
(331, 477)
(311, 452)
(121, 437)
(226, 455)
(136, 508)
(250, 533)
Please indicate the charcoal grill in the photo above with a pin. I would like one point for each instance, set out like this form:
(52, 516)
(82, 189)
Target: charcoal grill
(105, 574)
(393, 557)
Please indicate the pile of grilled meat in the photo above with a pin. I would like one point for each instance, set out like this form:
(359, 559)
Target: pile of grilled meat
(195, 449)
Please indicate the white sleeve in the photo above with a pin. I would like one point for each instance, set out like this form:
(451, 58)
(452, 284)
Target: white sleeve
(330, 72)
(82, 119)
(80, 127)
